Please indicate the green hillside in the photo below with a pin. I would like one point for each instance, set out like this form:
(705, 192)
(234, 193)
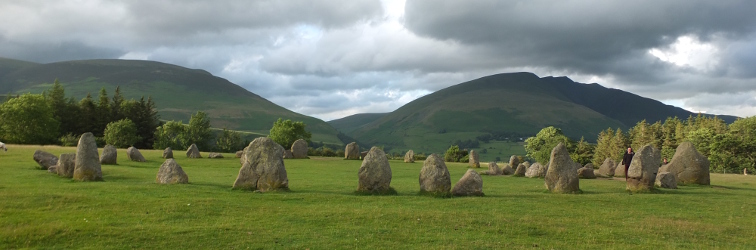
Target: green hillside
(177, 91)
(515, 104)
(354, 122)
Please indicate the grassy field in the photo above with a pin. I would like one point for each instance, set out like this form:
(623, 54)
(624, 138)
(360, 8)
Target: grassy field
(128, 210)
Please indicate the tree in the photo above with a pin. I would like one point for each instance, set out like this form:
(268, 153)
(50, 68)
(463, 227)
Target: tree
(198, 132)
(103, 114)
(540, 146)
(603, 148)
(452, 154)
(229, 141)
(87, 116)
(121, 133)
(171, 134)
(115, 107)
(286, 132)
(28, 119)
(144, 115)
(583, 153)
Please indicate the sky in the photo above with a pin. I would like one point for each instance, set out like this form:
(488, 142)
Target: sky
(331, 59)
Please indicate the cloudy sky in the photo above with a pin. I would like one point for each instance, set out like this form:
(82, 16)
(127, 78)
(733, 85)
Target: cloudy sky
(330, 59)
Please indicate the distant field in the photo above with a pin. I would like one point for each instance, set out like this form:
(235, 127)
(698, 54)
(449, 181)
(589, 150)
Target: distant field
(128, 210)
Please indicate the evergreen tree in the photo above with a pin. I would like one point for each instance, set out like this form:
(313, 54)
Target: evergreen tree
(103, 113)
(87, 116)
(115, 107)
(198, 131)
(604, 147)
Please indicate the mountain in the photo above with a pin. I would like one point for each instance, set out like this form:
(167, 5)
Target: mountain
(512, 104)
(353, 122)
(178, 92)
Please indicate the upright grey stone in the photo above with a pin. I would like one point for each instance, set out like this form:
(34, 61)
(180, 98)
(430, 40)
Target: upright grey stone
(434, 177)
(239, 154)
(193, 151)
(409, 157)
(642, 172)
(375, 173)
(514, 161)
(619, 171)
(352, 151)
(66, 165)
(666, 180)
(536, 170)
(299, 149)
(171, 173)
(134, 155)
(471, 184)
(507, 170)
(688, 165)
(168, 153)
(474, 159)
(262, 167)
(87, 164)
(586, 172)
(520, 171)
(109, 155)
(607, 168)
(287, 154)
(493, 169)
(561, 176)
(44, 159)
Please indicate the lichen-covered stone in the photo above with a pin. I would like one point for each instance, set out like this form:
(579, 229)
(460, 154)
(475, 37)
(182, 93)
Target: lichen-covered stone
(44, 159)
(66, 165)
(168, 153)
(434, 177)
(561, 176)
(262, 167)
(375, 173)
(287, 154)
(171, 173)
(193, 151)
(109, 155)
(688, 165)
(642, 172)
(666, 180)
(134, 155)
(352, 151)
(471, 184)
(409, 157)
(493, 169)
(299, 149)
(214, 155)
(474, 159)
(607, 168)
(536, 170)
(87, 163)
(520, 171)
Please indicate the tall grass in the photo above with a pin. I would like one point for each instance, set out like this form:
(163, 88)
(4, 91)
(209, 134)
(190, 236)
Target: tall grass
(128, 210)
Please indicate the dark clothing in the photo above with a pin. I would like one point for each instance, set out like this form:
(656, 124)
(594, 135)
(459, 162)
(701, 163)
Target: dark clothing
(626, 161)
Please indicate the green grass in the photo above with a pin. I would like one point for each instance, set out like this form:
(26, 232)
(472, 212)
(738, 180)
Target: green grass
(128, 210)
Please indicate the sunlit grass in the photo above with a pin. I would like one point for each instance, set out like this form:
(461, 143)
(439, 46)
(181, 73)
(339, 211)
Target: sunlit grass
(128, 210)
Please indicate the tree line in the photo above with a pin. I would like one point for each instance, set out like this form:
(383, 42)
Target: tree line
(728, 147)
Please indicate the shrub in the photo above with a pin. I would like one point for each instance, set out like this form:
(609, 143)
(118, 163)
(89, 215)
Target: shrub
(121, 133)
(68, 140)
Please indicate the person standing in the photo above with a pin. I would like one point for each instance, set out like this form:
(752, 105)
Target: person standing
(627, 159)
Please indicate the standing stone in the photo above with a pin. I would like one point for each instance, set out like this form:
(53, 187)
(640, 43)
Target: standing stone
(299, 149)
(375, 173)
(109, 155)
(352, 151)
(134, 155)
(262, 167)
(214, 155)
(520, 171)
(474, 159)
(493, 169)
(171, 173)
(239, 154)
(642, 172)
(66, 165)
(507, 170)
(287, 154)
(363, 154)
(87, 163)
(514, 161)
(607, 168)
(589, 165)
(745, 171)
(44, 159)
(666, 180)
(689, 166)
(471, 184)
(535, 171)
(168, 153)
(619, 170)
(409, 157)
(586, 172)
(434, 177)
(561, 176)
(193, 152)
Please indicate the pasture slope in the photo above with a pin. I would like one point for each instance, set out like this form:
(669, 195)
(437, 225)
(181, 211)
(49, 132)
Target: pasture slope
(128, 210)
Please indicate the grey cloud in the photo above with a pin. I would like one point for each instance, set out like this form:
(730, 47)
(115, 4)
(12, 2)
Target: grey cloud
(54, 52)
